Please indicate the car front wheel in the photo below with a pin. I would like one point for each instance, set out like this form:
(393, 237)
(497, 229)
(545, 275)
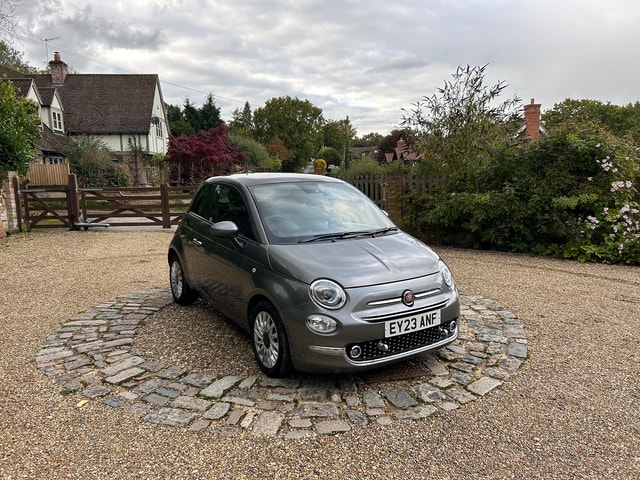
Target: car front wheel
(182, 293)
(270, 343)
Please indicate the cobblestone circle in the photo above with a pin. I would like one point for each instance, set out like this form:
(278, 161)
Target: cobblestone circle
(94, 354)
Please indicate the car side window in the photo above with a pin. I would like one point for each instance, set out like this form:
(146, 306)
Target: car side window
(228, 204)
(202, 204)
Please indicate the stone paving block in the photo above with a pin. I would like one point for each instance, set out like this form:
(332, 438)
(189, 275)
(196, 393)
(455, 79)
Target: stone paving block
(416, 413)
(198, 379)
(150, 385)
(217, 388)
(300, 423)
(307, 410)
(172, 372)
(372, 399)
(517, 350)
(123, 365)
(170, 416)
(267, 424)
(155, 399)
(96, 391)
(113, 402)
(191, 403)
(429, 393)
(460, 395)
(357, 418)
(483, 386)
(400, 398)
(199, 425)
(217, 411)
(234, 417)
(327, 427)
(124, 375)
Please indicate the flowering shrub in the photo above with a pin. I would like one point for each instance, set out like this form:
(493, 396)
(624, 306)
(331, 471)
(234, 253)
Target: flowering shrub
(612, 234)
(320, 165)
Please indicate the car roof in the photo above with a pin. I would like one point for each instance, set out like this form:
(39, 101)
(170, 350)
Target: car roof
(250, 179)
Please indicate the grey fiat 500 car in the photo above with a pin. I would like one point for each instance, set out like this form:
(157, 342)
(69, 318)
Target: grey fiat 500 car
(317, 274)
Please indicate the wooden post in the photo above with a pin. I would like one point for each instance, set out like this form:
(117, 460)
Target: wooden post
(164, 201)
(73, 207)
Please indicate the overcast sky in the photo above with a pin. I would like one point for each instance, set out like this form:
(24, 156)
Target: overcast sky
(365, 59)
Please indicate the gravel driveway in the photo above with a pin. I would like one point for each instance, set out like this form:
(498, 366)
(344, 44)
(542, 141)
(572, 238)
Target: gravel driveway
(571, 411)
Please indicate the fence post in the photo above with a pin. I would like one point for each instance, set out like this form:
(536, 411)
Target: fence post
(73, 208)
(164, 202)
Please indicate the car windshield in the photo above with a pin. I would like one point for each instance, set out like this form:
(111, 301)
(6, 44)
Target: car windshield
(310, 211)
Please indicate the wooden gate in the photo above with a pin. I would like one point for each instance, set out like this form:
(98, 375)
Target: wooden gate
(68, 206)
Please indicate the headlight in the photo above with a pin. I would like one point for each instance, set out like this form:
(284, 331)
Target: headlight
(321, 324)
(446, 273)
(327, 294)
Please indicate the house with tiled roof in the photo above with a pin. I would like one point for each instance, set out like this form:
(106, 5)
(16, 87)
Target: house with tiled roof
(125, 111)
(52, 144)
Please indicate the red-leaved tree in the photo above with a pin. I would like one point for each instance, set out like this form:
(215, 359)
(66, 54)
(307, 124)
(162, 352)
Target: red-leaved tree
(205, 154)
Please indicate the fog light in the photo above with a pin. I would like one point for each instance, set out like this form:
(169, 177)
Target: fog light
(321, 324)
(355, 351)
(452, 326)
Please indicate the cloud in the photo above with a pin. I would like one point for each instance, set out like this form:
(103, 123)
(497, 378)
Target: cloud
(367, 60)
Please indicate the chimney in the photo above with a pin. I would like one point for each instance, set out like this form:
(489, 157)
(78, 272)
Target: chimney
(532, 120)
(59, 70)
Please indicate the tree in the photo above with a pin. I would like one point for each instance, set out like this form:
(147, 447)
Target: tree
(19, 129)
(388, 144)
(257, 156)
(95, 164)
(242, 122)
(7, 17)
(296, 122)
(191, 119)
(460, 127)
(177, 123)
(330, 155)
(620, 120)
(204, 154)
(339, 135)
(13, 59)
(368, 140)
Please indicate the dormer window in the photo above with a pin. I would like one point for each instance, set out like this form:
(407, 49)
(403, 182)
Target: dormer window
(57, 122)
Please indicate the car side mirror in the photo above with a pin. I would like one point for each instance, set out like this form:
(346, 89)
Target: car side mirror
(225, 229)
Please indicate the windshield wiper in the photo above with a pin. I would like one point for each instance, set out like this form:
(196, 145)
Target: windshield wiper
(347, 235)
(331, 236)
(382, 231)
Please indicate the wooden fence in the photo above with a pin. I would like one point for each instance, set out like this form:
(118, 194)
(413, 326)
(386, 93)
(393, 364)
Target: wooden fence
(68, 206)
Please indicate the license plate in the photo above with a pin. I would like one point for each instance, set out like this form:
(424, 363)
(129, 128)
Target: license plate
(414, 323)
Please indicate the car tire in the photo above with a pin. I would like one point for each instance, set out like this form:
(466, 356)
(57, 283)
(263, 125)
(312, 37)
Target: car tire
(182, 293)
(270, 342)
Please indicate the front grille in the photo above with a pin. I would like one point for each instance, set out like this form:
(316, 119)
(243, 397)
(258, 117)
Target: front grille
(387, 347)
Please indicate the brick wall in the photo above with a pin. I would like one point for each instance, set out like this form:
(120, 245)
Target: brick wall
(8, 208)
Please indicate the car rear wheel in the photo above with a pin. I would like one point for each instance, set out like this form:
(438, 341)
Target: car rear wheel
(270, 343)
(182, 293)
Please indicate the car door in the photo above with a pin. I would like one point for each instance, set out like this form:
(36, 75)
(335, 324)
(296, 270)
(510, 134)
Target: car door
(222, 268)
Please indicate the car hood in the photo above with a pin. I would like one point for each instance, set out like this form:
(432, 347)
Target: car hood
(356, 262)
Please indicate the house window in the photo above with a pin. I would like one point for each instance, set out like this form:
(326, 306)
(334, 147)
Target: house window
(57, 121)
(56, 160)
(158, 125)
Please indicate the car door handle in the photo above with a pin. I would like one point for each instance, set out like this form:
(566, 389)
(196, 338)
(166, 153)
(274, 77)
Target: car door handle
(196, 242)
